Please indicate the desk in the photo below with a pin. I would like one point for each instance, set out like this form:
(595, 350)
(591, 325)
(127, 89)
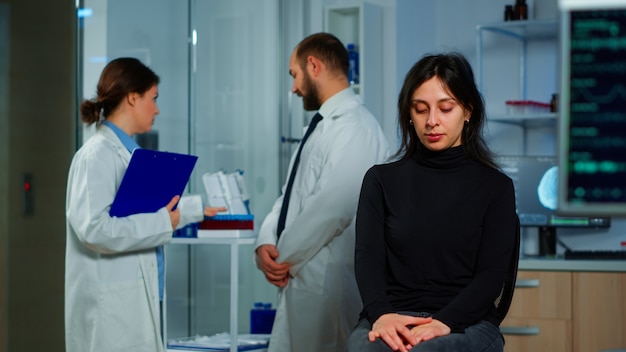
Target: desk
(239, 237)
(559, 264)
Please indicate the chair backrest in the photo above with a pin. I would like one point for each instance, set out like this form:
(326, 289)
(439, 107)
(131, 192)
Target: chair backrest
(503, 303)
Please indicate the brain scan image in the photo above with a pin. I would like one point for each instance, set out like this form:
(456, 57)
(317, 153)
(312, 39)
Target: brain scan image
(547, 188)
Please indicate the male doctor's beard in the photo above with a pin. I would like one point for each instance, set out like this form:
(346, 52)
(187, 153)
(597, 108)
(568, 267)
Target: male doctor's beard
(310, 100)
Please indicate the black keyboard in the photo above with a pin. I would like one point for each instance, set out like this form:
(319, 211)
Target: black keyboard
(600, 254)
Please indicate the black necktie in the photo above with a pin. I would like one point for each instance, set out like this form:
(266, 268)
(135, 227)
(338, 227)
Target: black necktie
(283, 210)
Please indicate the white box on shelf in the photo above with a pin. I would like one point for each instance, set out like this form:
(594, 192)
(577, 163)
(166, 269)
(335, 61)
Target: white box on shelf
(225, 233)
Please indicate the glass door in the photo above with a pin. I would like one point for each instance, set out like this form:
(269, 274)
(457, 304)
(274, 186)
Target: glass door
(234, 120)
(219, 62)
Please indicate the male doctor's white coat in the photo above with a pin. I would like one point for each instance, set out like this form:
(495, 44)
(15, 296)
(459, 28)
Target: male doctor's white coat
(320, 305)
(111, 275)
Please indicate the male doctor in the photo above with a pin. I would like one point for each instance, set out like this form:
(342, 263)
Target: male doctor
(307, 250)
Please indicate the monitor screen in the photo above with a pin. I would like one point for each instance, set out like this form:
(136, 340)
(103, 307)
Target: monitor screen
(536, 186)
(592, 125)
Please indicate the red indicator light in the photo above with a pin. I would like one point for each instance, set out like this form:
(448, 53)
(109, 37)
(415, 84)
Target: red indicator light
(26, 186)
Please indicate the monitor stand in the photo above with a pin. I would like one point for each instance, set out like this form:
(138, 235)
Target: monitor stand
(547, 241)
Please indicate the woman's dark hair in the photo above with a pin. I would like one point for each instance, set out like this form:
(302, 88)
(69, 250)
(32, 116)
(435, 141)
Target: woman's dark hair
(327, 48)
(119, 78)
(458, 78)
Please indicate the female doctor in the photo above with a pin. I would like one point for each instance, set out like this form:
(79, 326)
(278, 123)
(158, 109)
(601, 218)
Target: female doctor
(114, 266)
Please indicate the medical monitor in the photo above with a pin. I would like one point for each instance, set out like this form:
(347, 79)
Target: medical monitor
(536, 186)
(592, 121)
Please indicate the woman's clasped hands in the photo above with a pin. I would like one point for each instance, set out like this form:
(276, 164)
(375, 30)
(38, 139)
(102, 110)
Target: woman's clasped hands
(402, 332)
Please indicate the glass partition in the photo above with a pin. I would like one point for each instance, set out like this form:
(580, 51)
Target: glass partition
(219, 64)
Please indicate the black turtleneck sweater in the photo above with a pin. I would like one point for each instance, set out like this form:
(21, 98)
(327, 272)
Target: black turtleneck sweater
(434, 233)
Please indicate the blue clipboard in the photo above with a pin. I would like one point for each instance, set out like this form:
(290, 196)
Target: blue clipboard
(151, 180)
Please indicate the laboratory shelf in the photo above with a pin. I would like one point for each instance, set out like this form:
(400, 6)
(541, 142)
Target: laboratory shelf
(362, 24)
(237, 237)
(220, 342)
(521, 32)
(527, 120)
(234, 240)
(524, 30)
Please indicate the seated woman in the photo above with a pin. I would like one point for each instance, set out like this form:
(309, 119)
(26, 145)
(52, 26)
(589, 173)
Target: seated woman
(436, 228)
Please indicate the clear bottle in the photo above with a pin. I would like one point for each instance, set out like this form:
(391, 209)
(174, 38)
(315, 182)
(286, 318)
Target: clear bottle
(353, 57)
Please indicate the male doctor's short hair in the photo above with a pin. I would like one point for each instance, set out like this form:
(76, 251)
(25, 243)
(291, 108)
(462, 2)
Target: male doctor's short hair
(327, 48)
(119, 78)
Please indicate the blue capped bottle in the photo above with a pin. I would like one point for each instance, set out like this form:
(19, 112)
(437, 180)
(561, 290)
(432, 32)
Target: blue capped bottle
(262, 318)
(353, 58)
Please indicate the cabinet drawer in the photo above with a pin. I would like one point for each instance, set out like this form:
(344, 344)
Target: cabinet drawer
(599, 321)
(521, 334)
(542, 295)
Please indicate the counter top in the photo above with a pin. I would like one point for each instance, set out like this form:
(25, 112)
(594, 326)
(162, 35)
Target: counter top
(560, 264)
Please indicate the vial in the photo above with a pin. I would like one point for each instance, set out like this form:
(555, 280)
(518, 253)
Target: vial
(521, 10)
(353, 58)
(554, 103)
(508, 12)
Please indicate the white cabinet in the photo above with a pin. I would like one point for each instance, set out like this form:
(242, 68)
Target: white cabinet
(362, 25)
(522, 32)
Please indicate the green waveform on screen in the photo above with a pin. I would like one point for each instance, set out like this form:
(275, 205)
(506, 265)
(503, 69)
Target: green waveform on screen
(594, 167)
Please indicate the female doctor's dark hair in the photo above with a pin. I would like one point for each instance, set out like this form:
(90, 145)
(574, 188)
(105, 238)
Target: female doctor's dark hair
(119, 78)
(457, 76)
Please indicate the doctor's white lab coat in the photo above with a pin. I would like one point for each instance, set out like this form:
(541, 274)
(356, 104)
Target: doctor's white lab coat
(111, 275)
(320, 305)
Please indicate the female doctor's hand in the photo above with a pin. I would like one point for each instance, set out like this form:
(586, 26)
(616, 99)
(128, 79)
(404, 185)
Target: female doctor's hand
(212, 211)
(174, 214)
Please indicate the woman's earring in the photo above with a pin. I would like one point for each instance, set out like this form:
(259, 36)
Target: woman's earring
(411, 122)
(466, 120)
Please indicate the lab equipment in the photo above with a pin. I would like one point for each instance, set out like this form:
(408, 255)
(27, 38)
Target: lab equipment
(591, 254)
(353, 58)
(262, 318)
(536, 182)
(230, 191)
(227, 190)
(592, 119)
